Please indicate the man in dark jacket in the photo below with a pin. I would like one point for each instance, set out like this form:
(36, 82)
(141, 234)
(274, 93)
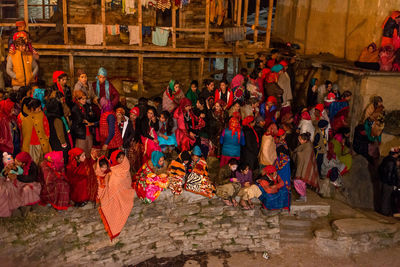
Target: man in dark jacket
(390, 180)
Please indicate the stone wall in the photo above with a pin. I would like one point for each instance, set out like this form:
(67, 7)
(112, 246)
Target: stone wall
(357, 23)
(165, 228)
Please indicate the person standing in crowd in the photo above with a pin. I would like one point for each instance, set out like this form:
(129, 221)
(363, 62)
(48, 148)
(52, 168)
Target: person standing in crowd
(267, 154)
(224, 93)
(148, 134)
(208, 90)
(312, 93)
(110, 136)
(60, 79)
(131, 140)
(232, 138)
(193, 92)
(77, 173)
(172, 96)
(251, 148)
(306, 167)
(104, 88)
(83, 85)
(284, 82)
(9, 129)
(390, 180)
(35, 130)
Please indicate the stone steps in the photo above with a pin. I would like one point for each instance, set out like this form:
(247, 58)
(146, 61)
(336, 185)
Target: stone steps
(295, 230)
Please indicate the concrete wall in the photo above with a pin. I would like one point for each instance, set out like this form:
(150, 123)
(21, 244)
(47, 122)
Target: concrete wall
(342, 28)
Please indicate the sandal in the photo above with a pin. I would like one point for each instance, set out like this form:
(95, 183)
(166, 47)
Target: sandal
(227, 202)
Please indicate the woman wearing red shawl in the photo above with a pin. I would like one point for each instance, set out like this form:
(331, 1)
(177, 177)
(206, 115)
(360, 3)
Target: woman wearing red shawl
(149, 126)
(78, 174)
(232, 139)
(28, 181)
(172, 96)
(217, 117)
(55, 188)
(116, 197)
(60, 85)
(187, 123)
(132, 140)
(9, 129)
(250, 151)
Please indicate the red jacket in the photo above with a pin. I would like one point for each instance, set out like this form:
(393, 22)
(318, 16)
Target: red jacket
(218, 94)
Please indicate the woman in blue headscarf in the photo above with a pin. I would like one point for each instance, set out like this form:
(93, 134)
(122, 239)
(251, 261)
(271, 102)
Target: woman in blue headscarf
(104, 88)
(152, 178)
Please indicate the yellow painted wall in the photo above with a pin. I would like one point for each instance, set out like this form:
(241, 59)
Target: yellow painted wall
(340, 27)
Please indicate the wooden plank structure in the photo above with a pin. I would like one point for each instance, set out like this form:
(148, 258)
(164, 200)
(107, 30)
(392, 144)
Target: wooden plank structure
(142, 51)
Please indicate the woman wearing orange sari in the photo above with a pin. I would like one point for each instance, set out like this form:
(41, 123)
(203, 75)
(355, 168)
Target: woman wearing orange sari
(116, 197)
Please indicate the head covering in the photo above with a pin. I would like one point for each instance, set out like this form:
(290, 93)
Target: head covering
(20, 23)
(184, 103)
(281, 132)
(103, 72)
(57, 74)
(155, 158)
(283, 63)
(55, 159)
(330, 97)
(75, 152)
(38, 94)
(313, 81)
(319, 107)
(305, 116)
(323, 124)
(339, 137)
(105, 105)
(196, 151)
(20, 34)
(79, 72)
(25, 158)
(120, 110)
(6, 106)
(171, 86)
(221, 103)
(277, 68)
(269, 169)
(234, 126)
(272, 99)
(246, 121)
(135, 111)
(113, 157)
(7, 159)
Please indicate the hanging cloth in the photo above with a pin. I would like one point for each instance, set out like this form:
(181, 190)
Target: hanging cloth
(113, 29)
(134, 37)
(128, 6)
(94, 34)
(160, 37)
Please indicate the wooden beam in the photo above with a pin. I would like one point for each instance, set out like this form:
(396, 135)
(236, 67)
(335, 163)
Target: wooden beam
(269, 23)
(173, 10)
(239, 14)
(65, 22)
(71, 70)
(207, 34)
(246, 10)
(103, 20)
(26, 15)
(201, 69)
(257, 15)
(140, 22)
(132, 55)
(140, 73)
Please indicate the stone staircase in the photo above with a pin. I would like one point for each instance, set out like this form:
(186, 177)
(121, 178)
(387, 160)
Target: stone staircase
(295, 230)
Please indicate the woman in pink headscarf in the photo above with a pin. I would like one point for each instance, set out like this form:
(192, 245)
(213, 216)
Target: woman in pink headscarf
(55, 188)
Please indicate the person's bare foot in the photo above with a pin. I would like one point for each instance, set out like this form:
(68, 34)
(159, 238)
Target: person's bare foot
(227, 202)
(251, 205)
(234, 202)
(244, 205)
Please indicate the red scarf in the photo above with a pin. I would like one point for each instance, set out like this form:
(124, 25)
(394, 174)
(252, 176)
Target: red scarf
(234, 126)
(246, 122)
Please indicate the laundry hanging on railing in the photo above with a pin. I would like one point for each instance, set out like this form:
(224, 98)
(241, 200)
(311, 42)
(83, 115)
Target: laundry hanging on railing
(160, 37)
(94, 34)
(233, 34)
(113, 29)
(134, 37)
(128, 7)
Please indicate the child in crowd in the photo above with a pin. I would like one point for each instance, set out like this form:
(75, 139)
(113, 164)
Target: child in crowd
(227, 186)
(166, 132)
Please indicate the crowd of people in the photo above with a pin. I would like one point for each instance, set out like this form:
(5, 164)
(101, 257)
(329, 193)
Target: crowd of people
(64, 146)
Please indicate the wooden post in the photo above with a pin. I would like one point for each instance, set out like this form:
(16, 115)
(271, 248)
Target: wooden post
(103, 20)
(26, 15)
(246, 10)
(201, 69)
(71, 70)
(269, 24)
(140, 22)
(43, 10)
(140, 74)
(207, 35)
(225, 68)
(173, 24)
(235, 12)
(257, 13)
(65, 22)
(239, 13)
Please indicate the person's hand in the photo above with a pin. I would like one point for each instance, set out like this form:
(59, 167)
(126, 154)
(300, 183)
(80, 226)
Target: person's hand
(105, 146)
(314, 88)
(64, 145)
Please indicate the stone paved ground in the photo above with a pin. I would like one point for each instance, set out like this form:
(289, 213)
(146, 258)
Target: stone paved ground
(188, 225)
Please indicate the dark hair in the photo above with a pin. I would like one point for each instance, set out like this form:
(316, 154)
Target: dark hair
(153, 109)
(33, 104)
(19, 42)
(305, 136)
(143, 101)
(274, 51)
(169, 122)
(23, 90)
(195, 82)
(157, 99)
(236, 102)
(224, 81)
(120, 154)
(15, 97)
(343, 130)
(328, 82)
(54, 108)
(346, 94)
(254, 73)
(202, 101)
(243, 71)
(376, 100)
(62, 76)
(233, 162)
(243, 166)
(208, 82)
(103, 162)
